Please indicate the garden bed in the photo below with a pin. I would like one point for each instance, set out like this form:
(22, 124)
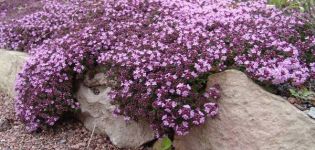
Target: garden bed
(156, 57)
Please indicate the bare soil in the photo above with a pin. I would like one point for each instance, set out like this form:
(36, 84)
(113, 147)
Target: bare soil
(68, 135)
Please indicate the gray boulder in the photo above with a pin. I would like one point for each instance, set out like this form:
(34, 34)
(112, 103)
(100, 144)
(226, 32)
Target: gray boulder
(11, 63)
(250, 119)
(96, 113)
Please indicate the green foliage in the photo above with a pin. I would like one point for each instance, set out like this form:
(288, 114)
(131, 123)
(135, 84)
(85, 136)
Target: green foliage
(199, 84)
(305, 6)
(279, 3)
(303, 94)
(163, 144)
(302, 5)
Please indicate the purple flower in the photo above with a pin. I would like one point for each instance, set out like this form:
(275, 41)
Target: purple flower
(158, 53)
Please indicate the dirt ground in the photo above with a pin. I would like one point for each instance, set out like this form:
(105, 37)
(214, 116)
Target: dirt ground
(70, 134)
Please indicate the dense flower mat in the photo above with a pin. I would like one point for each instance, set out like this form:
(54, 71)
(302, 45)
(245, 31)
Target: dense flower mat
(158, 52)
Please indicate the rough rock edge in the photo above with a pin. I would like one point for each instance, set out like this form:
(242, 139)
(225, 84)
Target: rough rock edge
(9, 69)
(240, 126)
(98, 111)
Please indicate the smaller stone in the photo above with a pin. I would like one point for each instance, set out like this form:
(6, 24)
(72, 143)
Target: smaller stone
(4, 124)
(16, 127)
(100, 140)
(311, 112)
(77, 146)
(62, 141)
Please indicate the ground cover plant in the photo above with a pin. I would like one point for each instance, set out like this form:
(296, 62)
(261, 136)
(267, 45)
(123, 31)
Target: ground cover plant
(158, 52)
(304, 94)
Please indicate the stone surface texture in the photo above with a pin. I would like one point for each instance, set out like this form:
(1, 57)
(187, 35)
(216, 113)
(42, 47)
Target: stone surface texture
(250, 119)
(11, 63)
(96, 113)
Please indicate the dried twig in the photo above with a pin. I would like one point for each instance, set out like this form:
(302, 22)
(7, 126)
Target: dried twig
(91, 136)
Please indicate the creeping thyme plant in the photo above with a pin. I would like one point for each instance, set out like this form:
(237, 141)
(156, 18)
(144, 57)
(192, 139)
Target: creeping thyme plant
(159, 52)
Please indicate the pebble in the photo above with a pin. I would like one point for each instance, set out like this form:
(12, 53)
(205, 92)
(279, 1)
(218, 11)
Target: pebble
(311, 112)
(78, 146)
(100, 140)
(62, 141)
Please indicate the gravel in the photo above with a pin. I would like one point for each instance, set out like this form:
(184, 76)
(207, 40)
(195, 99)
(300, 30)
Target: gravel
(68, 135)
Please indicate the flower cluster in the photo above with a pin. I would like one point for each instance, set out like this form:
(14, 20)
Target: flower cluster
(55, 20)
(159, 52)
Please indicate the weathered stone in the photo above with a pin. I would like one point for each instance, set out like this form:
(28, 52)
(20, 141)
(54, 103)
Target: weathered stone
(311, 112)
(250, 118)
(96, 112)
(11, 63)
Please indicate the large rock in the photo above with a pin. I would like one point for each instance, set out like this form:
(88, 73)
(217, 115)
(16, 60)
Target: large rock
(250, 118)
(96, 111)
(11, 63)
